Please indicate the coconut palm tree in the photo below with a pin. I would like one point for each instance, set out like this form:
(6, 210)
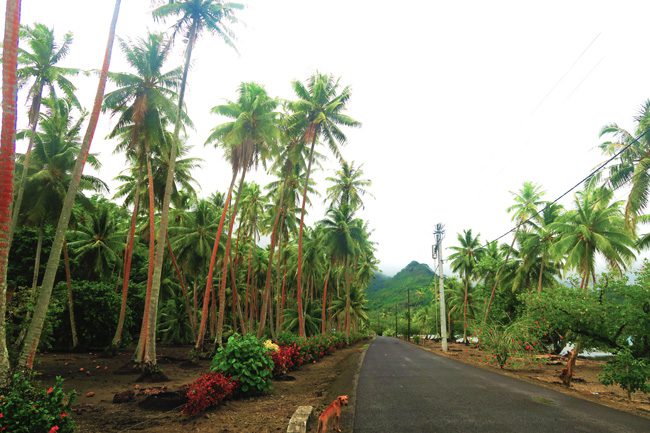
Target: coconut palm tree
(193, 17)
(98, 241)
(7, 149)
(38, 69)
(464, 261)
(348, 187)
(317, 115)
(248, 139)
(633, 165)
(527, 203)
(595, 226)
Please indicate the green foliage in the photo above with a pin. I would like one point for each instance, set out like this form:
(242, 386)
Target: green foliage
(387, 291)
(26, 408)
(247, 361)
(518, 338)
(628, 372)
(416, 339)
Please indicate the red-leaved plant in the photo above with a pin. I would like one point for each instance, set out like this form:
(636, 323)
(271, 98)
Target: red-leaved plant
(207, 391)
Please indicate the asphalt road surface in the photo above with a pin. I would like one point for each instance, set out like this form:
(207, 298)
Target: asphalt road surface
(405, 389)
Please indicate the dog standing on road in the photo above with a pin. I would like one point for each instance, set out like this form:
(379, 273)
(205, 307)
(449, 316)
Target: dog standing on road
(333, 410)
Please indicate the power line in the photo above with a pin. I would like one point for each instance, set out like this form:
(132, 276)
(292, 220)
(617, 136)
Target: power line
(582, 181)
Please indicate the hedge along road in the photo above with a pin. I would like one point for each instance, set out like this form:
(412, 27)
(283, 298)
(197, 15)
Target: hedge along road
(405, 389)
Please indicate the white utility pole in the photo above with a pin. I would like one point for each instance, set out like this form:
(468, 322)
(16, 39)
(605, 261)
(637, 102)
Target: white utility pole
(437, 252)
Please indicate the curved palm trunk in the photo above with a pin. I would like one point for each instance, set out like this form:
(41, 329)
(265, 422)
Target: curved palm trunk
(226, 260)
(181, 281)
(235, 299)
(144, 328)
(541, 273)
(269, 269)
(498, 276)
(26, 358)
(128, 256)
(34, 111)
(150, 355)
(7, 153)
(301, 317)
(208, 284)
(68, 282)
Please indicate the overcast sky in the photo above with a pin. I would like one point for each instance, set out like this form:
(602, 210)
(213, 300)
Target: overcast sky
(461, 101)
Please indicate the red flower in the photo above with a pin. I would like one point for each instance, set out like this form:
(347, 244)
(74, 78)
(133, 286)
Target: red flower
(49, 391)
(54, 429)
(63, 415)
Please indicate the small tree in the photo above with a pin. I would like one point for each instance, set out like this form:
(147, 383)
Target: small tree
(630, 373)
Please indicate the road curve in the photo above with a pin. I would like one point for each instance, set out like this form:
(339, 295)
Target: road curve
(405, 389)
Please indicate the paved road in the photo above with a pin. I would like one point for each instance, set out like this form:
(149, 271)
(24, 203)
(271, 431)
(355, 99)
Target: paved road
(405, 389)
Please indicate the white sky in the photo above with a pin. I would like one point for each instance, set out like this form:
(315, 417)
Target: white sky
(451, 95)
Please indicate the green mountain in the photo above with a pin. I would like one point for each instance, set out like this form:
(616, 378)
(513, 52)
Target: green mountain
(384, 292)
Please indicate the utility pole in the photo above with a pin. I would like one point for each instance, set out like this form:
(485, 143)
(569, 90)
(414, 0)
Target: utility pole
(408, 304)
(437, 253)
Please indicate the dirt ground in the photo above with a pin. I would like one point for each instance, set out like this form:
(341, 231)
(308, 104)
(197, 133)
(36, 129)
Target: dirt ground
(97, 379)
(545, 370)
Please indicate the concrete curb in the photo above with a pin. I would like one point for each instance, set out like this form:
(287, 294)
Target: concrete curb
(300, 419)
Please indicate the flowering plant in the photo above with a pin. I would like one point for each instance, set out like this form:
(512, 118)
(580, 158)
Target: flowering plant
(207, 391)
(26, 408)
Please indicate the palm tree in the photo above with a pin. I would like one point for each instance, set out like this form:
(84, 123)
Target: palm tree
(193, 18)
(247, 138)
(344, 236)
(26, 359)
(633, 165)
(527, 202)
(7, 149)
(145, 102)
(536, 247)
(348, 187)
(97, 242)
(464, 261)
(317, 115)
(596, 226)
(39, 65)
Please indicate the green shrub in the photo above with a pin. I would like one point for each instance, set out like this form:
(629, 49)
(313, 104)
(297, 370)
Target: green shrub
(416, 339)
(25, 408)
(505, 341)
(628, 372)
(247, 361)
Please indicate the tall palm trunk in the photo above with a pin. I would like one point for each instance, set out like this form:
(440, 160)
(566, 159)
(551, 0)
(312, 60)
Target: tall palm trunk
(128, 258)
(301, 317)
(26, 358)
(37, 259)
(7, 153)
(282, 301)
(150, 355)
(269, 269)
(181, 282)
(465, 309)
(144, 328)
(208, 283)
(34, 112)
(541, 273)
(348, 279)
(323, 316)
(498, 275)
(68, 282)
(236, 305)
(226, 257)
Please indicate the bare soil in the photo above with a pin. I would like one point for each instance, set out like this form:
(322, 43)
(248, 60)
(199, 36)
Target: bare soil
(97, 379)
(545, 370)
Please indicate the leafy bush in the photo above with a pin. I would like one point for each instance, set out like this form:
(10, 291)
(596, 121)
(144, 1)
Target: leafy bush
(247, 361)
(416, 339)
(628, 372)
(285, 359)
(517, 338)
(25, 408)
(207, 391)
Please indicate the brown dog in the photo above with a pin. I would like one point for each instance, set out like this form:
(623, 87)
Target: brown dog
(333, 410)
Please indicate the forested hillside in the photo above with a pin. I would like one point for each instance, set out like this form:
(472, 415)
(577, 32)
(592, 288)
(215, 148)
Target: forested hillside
(385, 291)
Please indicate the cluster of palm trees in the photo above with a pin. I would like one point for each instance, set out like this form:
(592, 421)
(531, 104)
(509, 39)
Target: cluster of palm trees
(551, 242)
(243, 261)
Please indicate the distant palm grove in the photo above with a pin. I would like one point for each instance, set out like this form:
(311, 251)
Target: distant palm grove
(153, 261)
